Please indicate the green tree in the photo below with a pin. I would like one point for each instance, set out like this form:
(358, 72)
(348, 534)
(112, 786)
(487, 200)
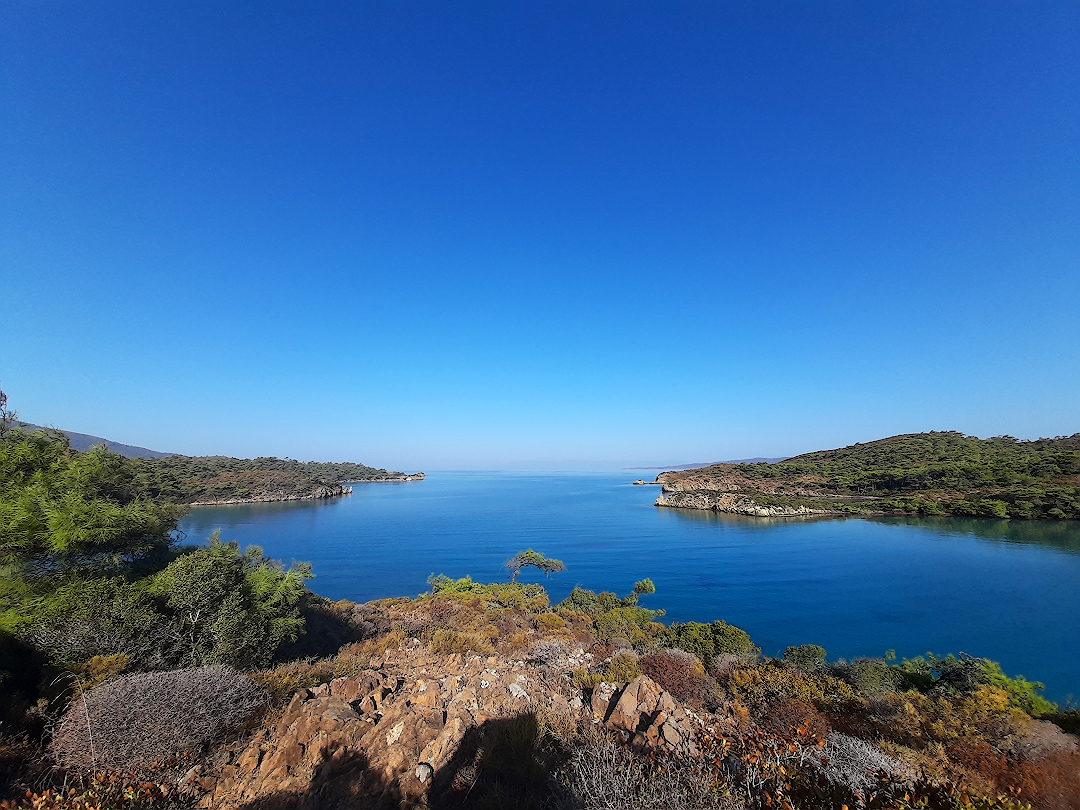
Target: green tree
(534, 559)
(228, 607)
(61, 510)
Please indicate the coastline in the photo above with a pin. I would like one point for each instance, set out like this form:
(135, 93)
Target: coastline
(318, 494)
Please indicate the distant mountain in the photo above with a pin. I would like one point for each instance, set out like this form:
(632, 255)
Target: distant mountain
(83, 442)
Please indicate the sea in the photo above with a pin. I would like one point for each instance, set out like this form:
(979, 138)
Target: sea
(1005, 590)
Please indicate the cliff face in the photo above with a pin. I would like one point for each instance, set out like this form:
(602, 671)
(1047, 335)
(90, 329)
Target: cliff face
(733, 503)
(720, 489)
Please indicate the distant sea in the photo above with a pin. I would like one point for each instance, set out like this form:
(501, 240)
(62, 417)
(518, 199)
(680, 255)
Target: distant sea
(1007, 590)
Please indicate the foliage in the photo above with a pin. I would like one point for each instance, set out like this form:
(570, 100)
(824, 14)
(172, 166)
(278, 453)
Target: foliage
(622, 669)
(61, 510)
(187, 479)
(131, 722)
(534, 559)
(707, 641)
(104, 791)
(934, 473)
(682, 674)
(228, 607)
(805, 658)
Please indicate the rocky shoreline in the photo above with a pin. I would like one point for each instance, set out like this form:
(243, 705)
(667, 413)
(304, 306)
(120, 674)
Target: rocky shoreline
(734, 504)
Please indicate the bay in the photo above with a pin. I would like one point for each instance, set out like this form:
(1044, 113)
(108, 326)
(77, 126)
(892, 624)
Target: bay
(1007, 590)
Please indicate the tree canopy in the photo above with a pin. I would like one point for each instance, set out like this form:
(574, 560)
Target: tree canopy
(534, 559)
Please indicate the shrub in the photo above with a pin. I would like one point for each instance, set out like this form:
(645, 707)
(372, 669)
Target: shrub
(583, 679)
(682, 674)
(755, 684)
(805, 658)
(622, 669)
(445, 642)
(130, 722)
(870, 676)
(851, 763)
(550, 621)
(228, 607)
(546, 652)
(707, 641)
(632, 623)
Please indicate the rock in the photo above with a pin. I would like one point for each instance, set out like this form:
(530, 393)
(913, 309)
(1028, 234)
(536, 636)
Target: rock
(601, 698)
(382, 738)
(651, 717)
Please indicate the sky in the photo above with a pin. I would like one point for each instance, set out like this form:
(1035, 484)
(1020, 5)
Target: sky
(559, 235)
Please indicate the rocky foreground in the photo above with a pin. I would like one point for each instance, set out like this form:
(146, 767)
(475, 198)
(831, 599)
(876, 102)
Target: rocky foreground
(409, 731)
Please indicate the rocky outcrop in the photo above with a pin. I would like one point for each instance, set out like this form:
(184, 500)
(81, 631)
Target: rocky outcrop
(317, 494)
(398, 734)
(646, 716)
(733, 503)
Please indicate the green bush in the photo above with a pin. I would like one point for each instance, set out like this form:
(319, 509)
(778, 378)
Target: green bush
(225, 607)
(707, 641)
(805, 658)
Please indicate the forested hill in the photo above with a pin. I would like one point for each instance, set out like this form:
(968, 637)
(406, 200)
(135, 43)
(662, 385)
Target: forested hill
(929, 473)
(207, 479)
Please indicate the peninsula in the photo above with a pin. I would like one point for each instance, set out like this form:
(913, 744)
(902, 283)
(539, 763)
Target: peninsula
(207, 480)
(935, 473)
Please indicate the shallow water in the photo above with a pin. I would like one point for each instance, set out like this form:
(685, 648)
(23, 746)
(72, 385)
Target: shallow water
(1002, 589)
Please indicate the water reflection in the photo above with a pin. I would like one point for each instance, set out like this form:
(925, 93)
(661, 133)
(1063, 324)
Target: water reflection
(1060, 535)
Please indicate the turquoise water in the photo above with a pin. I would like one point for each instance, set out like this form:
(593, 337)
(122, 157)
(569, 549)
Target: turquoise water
(1002, 589)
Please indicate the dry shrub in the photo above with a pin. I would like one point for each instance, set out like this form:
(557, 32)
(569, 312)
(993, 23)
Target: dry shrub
(284, 680)
(784, 716)
(446, 642)
(978, 757)
(513, 643)
(131, 722)
(852, 763)
(683, 675)
(547, 652)
(1051, 782)
(610, 777)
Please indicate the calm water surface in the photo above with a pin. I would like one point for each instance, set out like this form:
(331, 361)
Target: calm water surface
(1007, 590)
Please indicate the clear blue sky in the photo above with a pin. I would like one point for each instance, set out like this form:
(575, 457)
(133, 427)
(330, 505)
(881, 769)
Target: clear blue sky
(539, 235)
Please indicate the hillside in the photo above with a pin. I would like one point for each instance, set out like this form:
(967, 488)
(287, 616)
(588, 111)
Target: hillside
(220, 479)
(936, 473)
(84, 441)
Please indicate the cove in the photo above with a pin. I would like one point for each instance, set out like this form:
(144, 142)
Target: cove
(1006, 590)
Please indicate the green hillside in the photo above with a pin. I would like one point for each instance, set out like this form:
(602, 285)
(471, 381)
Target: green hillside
(188, 479)
(924, 473)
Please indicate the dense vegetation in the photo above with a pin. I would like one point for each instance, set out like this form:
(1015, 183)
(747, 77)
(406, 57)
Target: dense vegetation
(94, 584)
(933, 473)
(188, 479)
